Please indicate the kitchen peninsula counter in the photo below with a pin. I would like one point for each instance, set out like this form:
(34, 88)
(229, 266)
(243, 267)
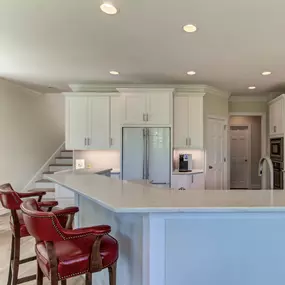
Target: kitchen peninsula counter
(170, 237)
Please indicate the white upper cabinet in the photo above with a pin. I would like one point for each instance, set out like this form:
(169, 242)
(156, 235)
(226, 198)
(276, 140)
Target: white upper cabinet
(188, 121)
(99, 122)
(141, 106)
(76, 122)
(134, 108)
(92, 122)
(115, 133)
(276, 116)
(181, 121)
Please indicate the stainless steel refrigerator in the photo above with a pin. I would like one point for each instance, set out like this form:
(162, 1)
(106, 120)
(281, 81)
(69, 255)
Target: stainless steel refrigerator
(146, 155)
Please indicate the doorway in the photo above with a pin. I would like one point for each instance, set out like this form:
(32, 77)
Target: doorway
(245, 151)
(216, 176)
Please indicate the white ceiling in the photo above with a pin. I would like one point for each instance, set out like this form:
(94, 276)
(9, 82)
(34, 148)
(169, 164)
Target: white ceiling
(71, 41)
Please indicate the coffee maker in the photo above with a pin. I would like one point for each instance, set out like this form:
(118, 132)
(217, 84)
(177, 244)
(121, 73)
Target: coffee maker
(185, 162)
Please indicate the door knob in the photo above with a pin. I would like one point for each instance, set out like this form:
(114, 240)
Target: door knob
(210, 167)
(245, 160)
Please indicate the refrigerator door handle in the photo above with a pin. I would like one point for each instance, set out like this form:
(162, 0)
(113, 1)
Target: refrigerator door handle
(147, 152)
(144, 153)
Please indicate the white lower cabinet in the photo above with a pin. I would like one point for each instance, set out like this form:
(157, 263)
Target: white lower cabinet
(188, 181)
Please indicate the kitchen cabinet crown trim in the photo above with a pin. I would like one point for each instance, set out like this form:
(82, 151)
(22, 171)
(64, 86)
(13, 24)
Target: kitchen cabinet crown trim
(280, 97)
(144, 90)
(91, 94)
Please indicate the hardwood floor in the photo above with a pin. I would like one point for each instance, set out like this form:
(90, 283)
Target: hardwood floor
(27, 250)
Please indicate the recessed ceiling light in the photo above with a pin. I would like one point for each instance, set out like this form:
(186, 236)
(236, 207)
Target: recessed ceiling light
(190, 28)
(109, 8)
(113, 72)
(191, 72)
(266, 72)
(251, 87)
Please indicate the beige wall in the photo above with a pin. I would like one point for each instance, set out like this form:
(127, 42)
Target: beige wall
(216, 106)
(257, 107)
(32, 128)
(255, 122)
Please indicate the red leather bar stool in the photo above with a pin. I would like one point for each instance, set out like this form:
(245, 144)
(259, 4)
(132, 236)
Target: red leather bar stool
(65, 253)
(12, 200)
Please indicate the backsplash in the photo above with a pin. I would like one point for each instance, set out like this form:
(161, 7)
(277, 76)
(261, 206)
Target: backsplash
(198, 158)
(102, 159)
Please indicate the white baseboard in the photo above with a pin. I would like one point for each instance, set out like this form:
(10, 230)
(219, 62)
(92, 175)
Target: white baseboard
(38, 175)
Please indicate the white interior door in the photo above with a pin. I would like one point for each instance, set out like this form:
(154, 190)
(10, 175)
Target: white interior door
(239, 140)
(216, 150)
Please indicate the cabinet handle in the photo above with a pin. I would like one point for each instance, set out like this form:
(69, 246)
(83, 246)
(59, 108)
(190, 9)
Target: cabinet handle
(189, 141)
(89, 141)
(192, 179)
(274, 129)
(85, 141)
(111, 141)
(186, 141)
(146, 116)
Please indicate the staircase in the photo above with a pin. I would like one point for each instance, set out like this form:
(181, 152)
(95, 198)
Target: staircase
(62, 162)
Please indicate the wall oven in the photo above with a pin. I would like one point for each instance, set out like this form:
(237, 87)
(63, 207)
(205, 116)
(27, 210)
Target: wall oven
(276, 149)
(277, 157)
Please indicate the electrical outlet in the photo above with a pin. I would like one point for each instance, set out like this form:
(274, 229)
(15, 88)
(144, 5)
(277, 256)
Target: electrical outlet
(79, 163)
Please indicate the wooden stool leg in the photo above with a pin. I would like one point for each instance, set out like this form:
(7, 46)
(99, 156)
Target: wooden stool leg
(40, 276)
(112, 273)
(63, 282)
(16, 260)
(88, 279)
(10, 264)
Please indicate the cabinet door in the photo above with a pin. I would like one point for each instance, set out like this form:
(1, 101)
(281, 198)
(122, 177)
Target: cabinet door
(134, 108)
(76, 122)
(198, 181)
(159, 108)
(196, 127)
(271, 119)
(99, 123)
(181, 121)
(115, 134)
(278, 113)
(181, 182)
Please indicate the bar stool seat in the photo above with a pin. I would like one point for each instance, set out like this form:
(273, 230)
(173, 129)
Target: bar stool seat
(74, 255)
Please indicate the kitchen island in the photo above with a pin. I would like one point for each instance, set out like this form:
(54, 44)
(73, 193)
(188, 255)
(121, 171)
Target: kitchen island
(170, 237)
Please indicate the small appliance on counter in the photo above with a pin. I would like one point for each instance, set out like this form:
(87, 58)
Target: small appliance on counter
(185, 162)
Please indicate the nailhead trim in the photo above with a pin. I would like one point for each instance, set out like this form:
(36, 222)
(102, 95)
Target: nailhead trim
(71, 275)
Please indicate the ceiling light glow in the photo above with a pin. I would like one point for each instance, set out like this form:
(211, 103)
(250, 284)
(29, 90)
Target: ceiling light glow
(113, 72)
(189, 28)
(191, 72)
(251, 87)
(266, 73)
(109, 8)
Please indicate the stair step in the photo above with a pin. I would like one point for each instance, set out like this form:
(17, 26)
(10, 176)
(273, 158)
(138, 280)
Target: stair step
(66, 153)
(44, 183)
(58, 167)
(64, 160)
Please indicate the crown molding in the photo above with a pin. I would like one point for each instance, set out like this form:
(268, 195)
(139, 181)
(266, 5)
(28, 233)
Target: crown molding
(263, 98)
(191, 88)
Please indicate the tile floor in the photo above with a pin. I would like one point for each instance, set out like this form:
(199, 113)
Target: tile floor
(27, 249)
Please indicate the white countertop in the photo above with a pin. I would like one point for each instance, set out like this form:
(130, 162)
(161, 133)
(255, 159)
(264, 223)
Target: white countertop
(194, 171)
(122, 196)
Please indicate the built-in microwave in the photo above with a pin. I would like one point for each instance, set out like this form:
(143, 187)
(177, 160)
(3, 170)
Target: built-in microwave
(276, 149)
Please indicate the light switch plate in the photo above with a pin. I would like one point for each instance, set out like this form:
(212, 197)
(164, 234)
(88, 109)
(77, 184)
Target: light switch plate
(79, 163)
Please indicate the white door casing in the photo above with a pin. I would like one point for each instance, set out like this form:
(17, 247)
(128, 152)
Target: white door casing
(216, 152)
(240, 157)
